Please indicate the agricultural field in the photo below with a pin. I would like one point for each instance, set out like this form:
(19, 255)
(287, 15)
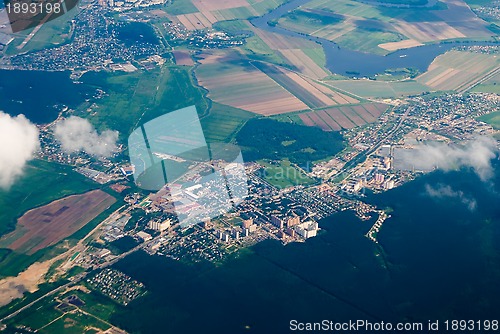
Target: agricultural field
(283, 174)
(53, 181)
(200, 14)
(301, 55)
(47, 225)
(129, 100)
(313, 94)
(54, 32)
(346, 31)
(459, 71)
(87, 312)
(492, 118)
(379, 89)
(223, 122)
(262, 88)
(346, 117)
(233, 81)
(183, 58)
(378, 29)
(490, 85)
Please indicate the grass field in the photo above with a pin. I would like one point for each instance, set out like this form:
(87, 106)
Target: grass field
(368, 40)
(492, 118)
(135, 98)
(283, 174)
(47, 225)
(459, 70)
(52, 33)
(223, 122)
(53, 181)
(490, 85)
(371, 88)
(179, 7)
(46, 317)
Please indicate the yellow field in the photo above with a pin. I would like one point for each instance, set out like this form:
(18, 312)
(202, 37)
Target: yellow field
(303, 63)
(207, 12)
(459, 70)
(238, 84)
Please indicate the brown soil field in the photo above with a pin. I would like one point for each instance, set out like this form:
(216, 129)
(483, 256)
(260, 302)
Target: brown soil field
(328, 120)
(213, 5)
(306, 119)
(376, 109)
(194, 21)
(243, 86)
(338, 118)
(183, 58)
(352, 115)
(319, 122)
(369, 118)
(49, 224)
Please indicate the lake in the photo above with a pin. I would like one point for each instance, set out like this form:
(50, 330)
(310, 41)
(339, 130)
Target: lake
(438, 259)
(39, 95)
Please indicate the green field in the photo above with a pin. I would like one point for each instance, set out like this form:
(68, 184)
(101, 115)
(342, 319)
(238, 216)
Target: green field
(459, 70)
(486, 88)
(492, 118)
(41, 183)
(380, 13)
(178, 7)
(52, 33)
(53, 181)
(371, 88)
(367, 40)
(362, 26)
(46, 318)
(75, 323)
(254, 47)
(491, 85)
(223, 122)
(135, 98)
(364, 37)
(282, 174)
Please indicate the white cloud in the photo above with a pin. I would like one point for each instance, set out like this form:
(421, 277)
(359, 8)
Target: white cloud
(446, 191)
(18, 143)
(77, 135)
(476, 154)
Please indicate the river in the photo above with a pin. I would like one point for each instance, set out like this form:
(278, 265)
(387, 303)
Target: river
(354, 63)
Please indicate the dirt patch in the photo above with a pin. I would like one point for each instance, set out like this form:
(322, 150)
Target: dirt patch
(183, 58)
(14, 287)
(47, 225)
